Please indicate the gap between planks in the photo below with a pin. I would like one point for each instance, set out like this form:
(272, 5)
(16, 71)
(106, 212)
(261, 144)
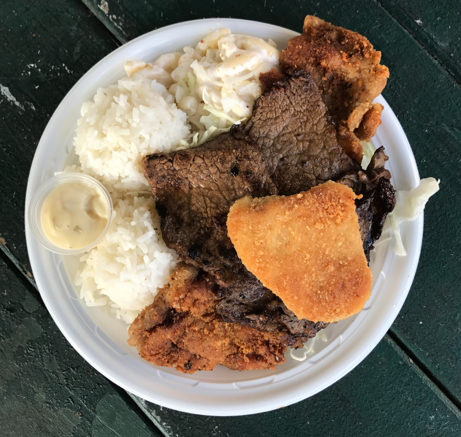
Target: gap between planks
(423, 46)
(113, 28)
(454, 404)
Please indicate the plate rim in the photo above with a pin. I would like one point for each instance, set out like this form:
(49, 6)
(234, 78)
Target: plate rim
(191, 407)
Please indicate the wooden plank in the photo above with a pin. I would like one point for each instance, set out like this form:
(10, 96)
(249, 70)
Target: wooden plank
(427, 102)
(385, 396)
(46, 388)
(436, 25)
(40, 63)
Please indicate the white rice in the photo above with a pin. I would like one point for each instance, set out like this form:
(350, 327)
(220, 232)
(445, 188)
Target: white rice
(126, 269)
(123, 123)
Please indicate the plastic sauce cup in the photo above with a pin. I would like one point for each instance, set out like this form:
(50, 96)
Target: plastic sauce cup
(36, 204)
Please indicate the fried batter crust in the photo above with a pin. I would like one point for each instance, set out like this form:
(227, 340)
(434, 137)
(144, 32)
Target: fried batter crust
(182, 329)
(306, 249)
(347, 70)
(370, 122)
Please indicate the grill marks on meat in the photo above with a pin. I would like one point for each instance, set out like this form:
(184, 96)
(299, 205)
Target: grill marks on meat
(182, 328)
(287, 146)
(347, 71)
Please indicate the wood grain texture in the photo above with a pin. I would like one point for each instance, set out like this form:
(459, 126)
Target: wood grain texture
(46, 388)
(426, 100)
(386, 395)
(435, 25)
(40, 63)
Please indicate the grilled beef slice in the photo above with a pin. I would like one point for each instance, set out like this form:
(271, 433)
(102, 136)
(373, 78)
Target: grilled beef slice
(290, 124)
(194, 190)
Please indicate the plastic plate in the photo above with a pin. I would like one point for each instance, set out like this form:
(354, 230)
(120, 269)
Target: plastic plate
(101, 339)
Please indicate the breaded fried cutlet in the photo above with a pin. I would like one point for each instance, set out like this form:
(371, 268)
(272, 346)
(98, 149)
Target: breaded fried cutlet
(306, 249)
(347, 70)
(182, 329)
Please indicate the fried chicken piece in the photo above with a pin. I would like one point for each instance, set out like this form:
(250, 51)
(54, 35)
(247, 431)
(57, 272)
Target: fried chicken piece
(347, 70)
(182, 329)
(306, 248)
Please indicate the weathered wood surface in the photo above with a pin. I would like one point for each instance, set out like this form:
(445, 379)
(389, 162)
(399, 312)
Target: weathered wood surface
(427, 102)
(48, 46)
(436, 25)
(46, 387)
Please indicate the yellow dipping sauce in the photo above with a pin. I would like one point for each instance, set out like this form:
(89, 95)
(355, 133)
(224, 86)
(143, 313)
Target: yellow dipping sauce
(74, 214)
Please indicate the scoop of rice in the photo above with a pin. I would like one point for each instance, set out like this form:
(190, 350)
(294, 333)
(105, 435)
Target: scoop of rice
(126, 269)
(122, 124)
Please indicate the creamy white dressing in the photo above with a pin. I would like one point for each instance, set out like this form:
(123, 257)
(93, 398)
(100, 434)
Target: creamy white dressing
(74, 215)
(216, 83)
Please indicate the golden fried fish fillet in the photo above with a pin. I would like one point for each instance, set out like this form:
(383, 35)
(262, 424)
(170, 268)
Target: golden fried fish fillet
(306, 249)
(182, 329)
(347, 70)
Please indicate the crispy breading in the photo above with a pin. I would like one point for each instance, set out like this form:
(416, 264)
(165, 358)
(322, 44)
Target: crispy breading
(370, 122)
(346, 69)
(306, 248)
(182, 329)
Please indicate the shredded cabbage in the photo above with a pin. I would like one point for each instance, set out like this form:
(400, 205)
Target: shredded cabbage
(368, 151)
(306, 352)
(409, 206)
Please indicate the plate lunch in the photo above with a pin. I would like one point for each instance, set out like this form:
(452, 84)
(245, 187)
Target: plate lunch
(101, 339)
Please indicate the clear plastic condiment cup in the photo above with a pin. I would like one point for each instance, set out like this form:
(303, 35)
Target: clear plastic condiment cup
(36, 204)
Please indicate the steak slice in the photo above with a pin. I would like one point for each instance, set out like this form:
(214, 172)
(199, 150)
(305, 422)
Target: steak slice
(288, 145)
(194, 189)
(290, 123)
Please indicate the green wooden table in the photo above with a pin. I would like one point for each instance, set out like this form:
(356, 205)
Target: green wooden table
(409, 385)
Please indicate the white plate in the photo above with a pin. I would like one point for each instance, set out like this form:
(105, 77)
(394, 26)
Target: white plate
(101, 339)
